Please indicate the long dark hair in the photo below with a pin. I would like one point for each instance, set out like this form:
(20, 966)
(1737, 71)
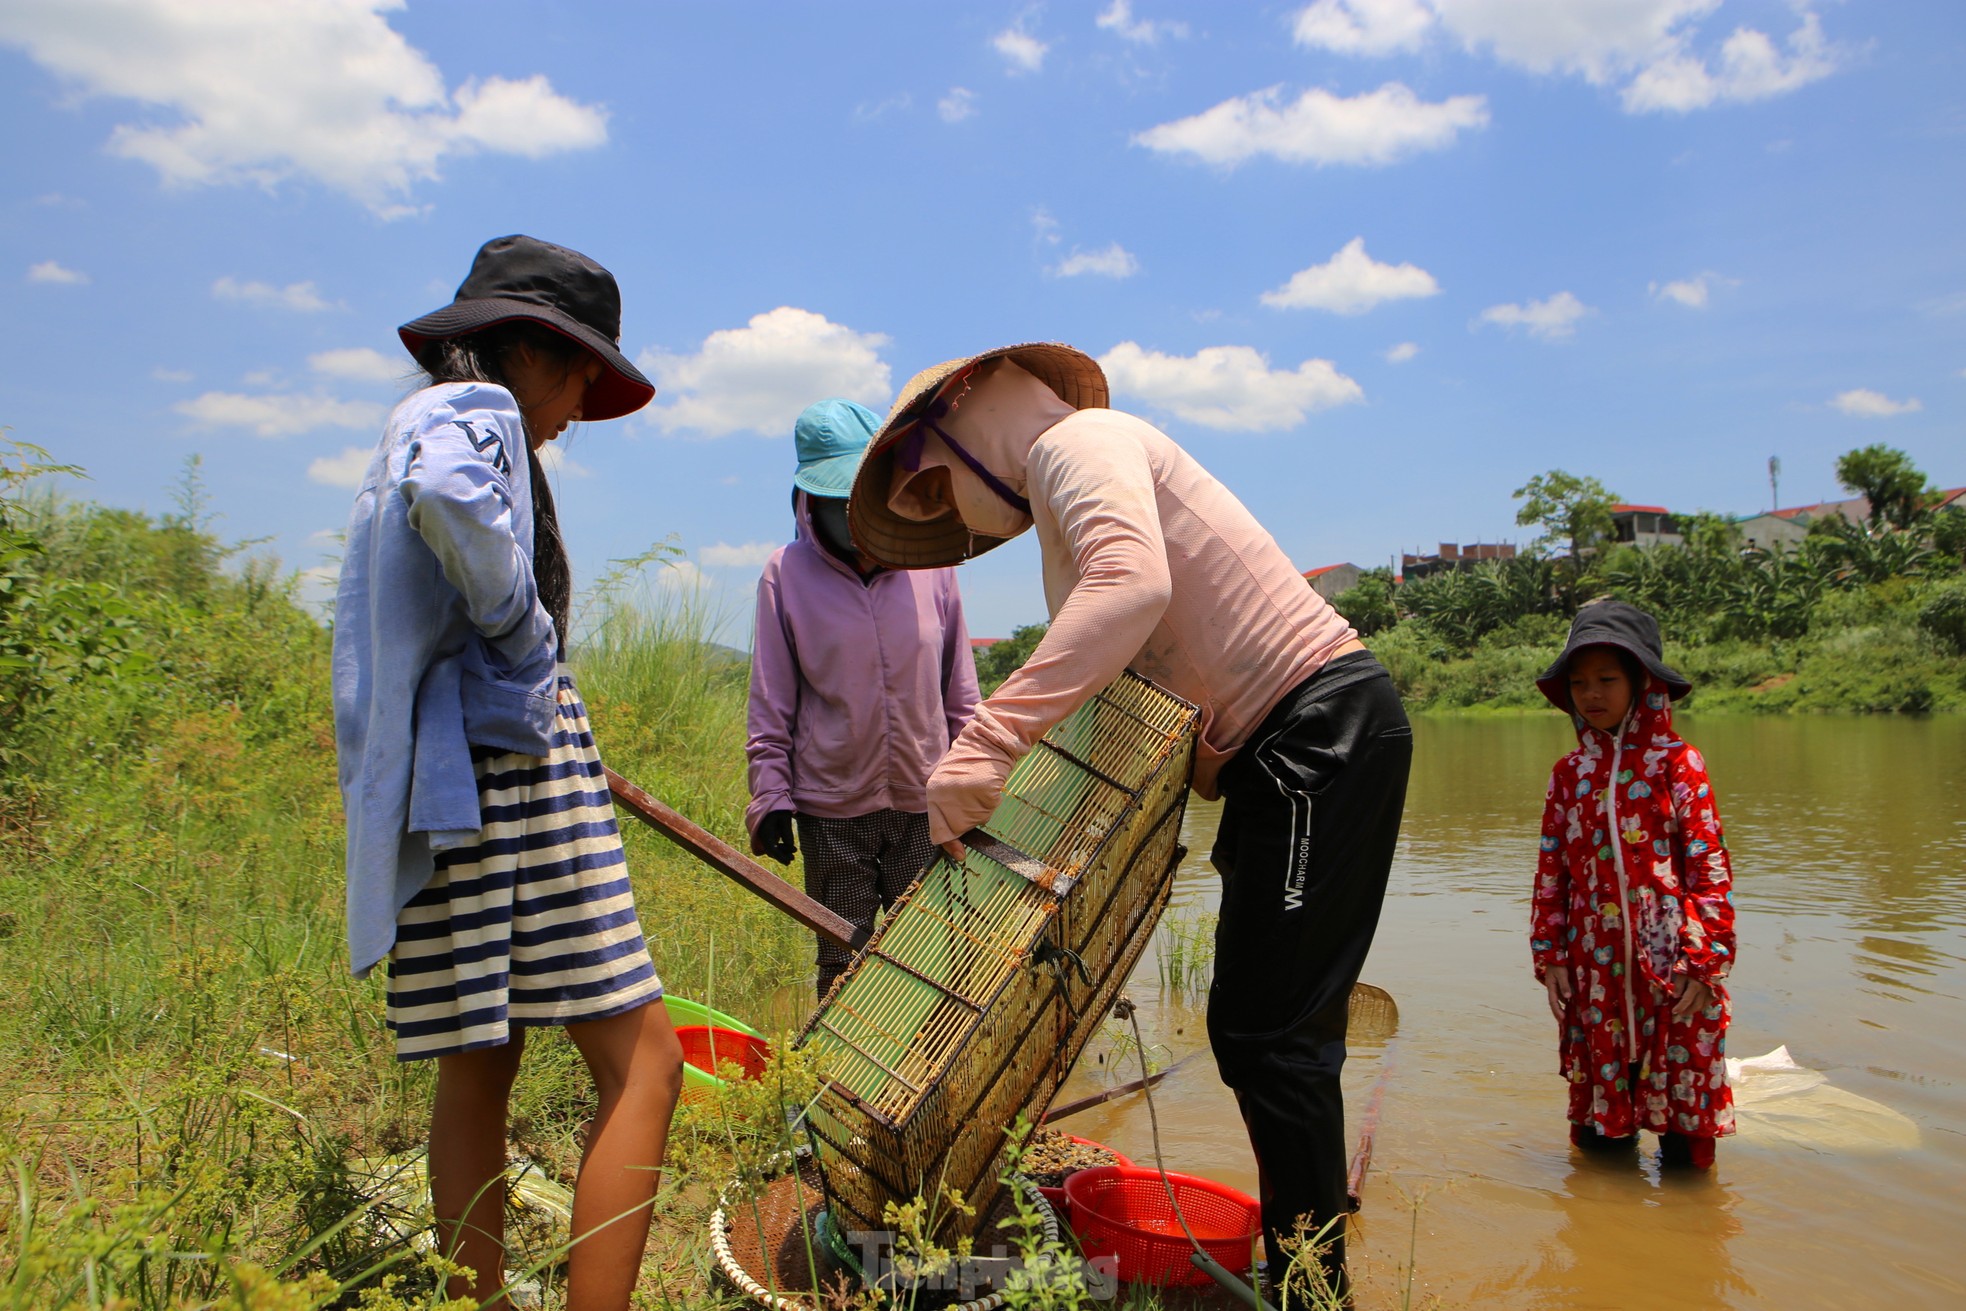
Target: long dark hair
(480, 357)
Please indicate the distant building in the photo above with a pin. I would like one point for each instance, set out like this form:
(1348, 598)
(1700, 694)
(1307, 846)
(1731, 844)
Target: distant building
(1788, 527)
(978, 645)
(1331, 579)
(1644, 525)
(1453, 556)
(1773, 528)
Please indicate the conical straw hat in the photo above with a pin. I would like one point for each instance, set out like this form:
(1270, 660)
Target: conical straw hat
(901, 543)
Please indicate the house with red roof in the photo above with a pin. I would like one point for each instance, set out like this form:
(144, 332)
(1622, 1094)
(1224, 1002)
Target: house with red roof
(1788, 527)
(1330, 579)
(1644, 525)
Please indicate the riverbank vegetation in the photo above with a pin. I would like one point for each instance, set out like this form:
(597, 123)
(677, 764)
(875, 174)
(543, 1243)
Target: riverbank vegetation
(197, 1095)
(202, 1108)
(1861, 615)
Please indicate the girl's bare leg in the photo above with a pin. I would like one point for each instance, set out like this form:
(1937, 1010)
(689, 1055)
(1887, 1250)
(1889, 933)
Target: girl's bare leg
(467, 1162)
(637, 1066)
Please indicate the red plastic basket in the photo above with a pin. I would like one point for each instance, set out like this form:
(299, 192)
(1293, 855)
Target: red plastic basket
(1056, 1196)
(1122, 1211)
(733, 1048)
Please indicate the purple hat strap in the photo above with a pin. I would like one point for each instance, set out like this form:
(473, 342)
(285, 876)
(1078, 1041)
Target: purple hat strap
(910, 455)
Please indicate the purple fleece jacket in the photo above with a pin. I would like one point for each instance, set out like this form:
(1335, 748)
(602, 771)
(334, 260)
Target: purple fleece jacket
(857, 688)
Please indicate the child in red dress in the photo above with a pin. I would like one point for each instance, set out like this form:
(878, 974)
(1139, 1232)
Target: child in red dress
(1632, 928)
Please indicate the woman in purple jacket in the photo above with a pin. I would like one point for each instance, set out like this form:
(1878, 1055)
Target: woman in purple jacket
(861, 677)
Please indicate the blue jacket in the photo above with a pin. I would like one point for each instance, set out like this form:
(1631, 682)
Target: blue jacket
(439, 642)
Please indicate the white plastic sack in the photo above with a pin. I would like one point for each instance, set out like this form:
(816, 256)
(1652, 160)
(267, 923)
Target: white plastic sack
(1778, 1101)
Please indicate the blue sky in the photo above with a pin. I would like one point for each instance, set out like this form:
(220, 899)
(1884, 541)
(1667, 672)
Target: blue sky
(1375, 262)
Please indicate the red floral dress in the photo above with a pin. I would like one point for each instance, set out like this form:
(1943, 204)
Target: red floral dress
(1633, 891)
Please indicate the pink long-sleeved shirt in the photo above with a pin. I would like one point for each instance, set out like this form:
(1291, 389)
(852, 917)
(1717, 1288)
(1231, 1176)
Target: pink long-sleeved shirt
(1150, 564)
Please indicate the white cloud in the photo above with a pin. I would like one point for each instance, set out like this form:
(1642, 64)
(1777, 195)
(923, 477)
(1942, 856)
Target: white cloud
(1113, 261)
(1691, 292)
(958, 105)
(1351, 282)
(1649, 47)
(523, 117)
(1118, 17)
(1863, 403)
(273, 415)
(1750, 68)
(359, 364)
(870, 111)
(1403, 352)
(751, 555)
(1552, 320)
(1044, 226)
(246, 92)
(51, 271)
(1375, 127)
(301, 297)
(162, 374)
(1022, 53)
(1363, 27)
(682, 576)
(1231, 388)
(318, 586)
(343, 470)
(760, 376)
(554, 459)
(1597, 39)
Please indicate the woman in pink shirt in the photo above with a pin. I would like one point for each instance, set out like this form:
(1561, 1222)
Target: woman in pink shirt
(1150, 564)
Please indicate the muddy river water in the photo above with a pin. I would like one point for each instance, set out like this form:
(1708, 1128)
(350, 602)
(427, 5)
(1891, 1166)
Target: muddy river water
(1849, 845)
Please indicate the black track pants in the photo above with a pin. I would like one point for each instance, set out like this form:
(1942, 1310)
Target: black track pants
(1310, 817)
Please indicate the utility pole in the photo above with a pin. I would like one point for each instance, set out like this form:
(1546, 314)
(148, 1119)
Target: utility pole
(1774, 482)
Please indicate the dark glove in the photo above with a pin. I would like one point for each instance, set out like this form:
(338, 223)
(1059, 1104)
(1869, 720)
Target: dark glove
(774, 837)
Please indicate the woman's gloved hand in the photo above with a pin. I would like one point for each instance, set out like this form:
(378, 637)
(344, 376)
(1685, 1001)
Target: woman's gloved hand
(774, 837)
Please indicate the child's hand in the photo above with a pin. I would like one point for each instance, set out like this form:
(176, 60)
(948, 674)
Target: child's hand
(1557, 982)
(1692, 997)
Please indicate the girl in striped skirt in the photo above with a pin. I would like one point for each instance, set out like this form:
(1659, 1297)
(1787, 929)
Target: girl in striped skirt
(484, 865)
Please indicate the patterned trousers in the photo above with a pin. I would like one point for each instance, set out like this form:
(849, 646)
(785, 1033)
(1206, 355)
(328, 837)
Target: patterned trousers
(858, 866)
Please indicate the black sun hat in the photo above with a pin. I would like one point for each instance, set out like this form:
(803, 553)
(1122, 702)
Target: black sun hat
(1611, 623)
(520, 277)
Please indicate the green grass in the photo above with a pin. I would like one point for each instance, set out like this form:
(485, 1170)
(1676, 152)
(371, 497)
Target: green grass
(186, 1066)
(1186, 954)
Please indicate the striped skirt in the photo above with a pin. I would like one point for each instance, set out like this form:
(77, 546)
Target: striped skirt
(535, 923)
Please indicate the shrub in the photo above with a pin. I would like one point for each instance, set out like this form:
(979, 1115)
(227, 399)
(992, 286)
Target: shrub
(1943, 615)
(1368, 605)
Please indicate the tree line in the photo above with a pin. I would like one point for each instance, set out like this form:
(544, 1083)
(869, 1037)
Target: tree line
(1711, 587)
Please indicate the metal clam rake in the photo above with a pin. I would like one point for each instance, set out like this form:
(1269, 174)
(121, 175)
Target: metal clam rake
(985, 982)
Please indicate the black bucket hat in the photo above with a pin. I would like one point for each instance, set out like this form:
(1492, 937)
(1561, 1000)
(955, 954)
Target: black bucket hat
(1611, 623)
(525, 278)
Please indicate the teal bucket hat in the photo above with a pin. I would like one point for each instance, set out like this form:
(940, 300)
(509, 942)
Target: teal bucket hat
(829, 438)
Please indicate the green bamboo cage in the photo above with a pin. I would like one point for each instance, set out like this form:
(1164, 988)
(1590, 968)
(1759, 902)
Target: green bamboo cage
(988, 978)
